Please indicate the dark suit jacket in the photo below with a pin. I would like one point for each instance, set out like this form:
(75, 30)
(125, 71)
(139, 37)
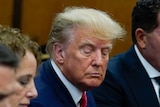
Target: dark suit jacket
(51, 91)
(126, 84)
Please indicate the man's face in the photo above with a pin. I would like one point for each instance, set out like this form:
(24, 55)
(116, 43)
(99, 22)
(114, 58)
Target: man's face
(85, 58)
(8, 84)
(151, 47)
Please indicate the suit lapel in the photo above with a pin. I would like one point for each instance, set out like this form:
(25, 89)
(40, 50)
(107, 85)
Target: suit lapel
(59, 88)
(90, 100)
(56, 84)
(139, 81)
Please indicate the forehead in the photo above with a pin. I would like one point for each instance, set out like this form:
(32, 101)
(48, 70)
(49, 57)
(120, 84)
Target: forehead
(89, 31)
(89, 35)
(28, 65)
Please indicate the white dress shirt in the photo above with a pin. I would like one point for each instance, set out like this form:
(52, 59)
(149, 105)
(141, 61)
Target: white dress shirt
(75, 92)
(152, 72)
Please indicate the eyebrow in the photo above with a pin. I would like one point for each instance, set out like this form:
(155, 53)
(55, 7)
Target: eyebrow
(89, 42)
(24, 76)
(109, 46)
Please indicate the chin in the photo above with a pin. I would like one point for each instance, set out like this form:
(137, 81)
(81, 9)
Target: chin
(93, 85)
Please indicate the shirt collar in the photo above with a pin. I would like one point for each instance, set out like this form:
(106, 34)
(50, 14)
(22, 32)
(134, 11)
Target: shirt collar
(152, 72)
(75, 92)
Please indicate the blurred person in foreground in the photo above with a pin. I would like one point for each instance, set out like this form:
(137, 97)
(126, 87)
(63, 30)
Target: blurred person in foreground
(8, 85)
(29, 55)
(79, 44)
(130, 79)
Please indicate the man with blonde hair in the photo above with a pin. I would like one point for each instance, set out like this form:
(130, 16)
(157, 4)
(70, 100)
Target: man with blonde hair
(79, 44)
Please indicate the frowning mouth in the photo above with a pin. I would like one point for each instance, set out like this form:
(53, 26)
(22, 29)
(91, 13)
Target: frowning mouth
(23, 105)
(95, 75)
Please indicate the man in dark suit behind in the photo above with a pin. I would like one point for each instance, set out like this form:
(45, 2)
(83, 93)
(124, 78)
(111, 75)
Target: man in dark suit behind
(79, 45)
(130, 76)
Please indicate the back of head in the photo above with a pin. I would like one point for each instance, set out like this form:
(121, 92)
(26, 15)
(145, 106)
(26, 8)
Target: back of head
(18, 42)
(74, 17)
(7, 57)
(144, 15)
(10, 37)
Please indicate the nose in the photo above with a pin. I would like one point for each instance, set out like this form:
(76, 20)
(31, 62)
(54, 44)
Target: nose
(97, 58)
(32, 92)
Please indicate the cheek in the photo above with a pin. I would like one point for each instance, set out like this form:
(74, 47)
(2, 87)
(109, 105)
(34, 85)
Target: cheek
(152, 44)
(105, 65)
(15, 100)
(73, 58)
(75, 66)
(153, 40)
(74, 63)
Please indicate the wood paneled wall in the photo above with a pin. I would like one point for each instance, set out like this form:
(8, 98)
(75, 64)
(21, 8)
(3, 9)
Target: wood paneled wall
(6, 7)
(37, 16)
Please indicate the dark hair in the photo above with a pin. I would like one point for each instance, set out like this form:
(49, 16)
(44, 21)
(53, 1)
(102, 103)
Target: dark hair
(8, 57)
(144, 15)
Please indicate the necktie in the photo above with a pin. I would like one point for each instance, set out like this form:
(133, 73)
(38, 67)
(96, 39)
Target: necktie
(158, 81)
(83, 101)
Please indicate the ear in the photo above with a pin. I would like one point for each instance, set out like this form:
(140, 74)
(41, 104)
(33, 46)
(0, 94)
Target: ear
(58, 52)
(140, 37)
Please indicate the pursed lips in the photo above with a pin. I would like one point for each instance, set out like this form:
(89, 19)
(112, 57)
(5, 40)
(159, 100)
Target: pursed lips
(24, 105)
(94, 75)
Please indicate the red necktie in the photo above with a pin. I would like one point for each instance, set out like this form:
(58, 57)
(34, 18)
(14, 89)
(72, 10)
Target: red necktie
(83, 102)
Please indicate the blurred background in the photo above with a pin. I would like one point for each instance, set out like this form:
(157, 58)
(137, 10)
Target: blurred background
(34, 17)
